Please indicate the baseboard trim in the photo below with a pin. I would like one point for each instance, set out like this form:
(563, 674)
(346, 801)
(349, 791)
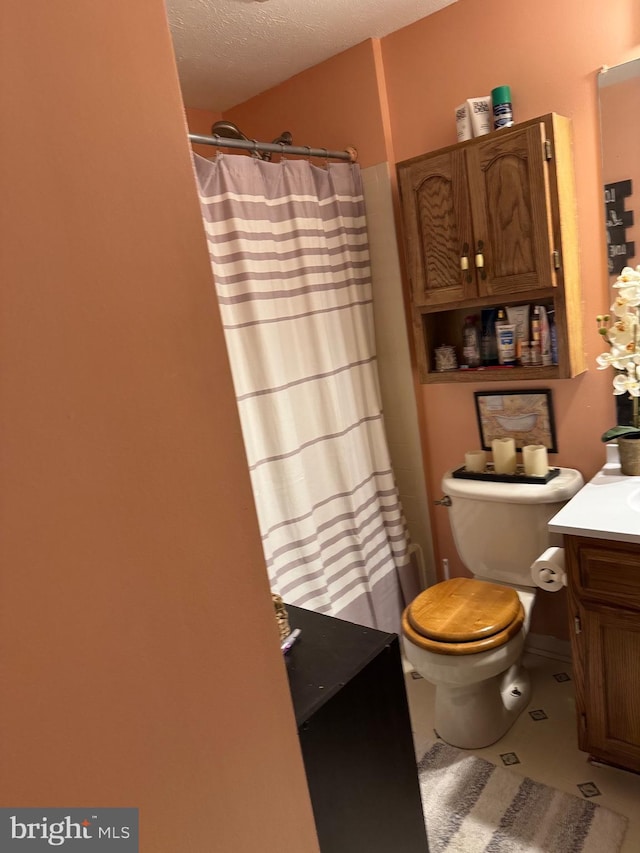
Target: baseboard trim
(550, 647)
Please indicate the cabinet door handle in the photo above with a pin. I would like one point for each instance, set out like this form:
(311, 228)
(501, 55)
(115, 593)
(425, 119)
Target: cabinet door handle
(479, 260)
(464, 263)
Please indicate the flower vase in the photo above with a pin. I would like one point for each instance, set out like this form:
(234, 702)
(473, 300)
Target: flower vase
(629, 453)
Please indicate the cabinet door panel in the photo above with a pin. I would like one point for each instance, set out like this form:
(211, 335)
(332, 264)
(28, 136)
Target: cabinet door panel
(608, 572)
(510, 203)
(438, 233)
(611, 573)
(612, 694)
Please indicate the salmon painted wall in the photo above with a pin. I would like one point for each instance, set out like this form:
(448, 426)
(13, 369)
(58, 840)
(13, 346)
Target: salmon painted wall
(333, 105)
(395, 99)
(140, 659)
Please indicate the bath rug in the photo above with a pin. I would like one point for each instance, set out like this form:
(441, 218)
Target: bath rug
(472, 806)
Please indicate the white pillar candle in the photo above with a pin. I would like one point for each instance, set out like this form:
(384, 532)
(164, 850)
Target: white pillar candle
(475, 460)
(504, 455)
(535, 460)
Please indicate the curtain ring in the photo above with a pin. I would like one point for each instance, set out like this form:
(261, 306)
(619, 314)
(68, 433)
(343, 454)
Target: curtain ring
(308, 147)
(255, 153)
(217, 144)
(326, 157)
(282, 157)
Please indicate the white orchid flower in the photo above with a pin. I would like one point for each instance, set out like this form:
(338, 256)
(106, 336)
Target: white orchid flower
(629, 292)
(628, 274)
(614, 360)
(622, 336)
(625, 384)
(604, 361)
(623, 306)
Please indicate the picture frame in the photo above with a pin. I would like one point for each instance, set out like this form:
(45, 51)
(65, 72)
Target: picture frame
(525, 416)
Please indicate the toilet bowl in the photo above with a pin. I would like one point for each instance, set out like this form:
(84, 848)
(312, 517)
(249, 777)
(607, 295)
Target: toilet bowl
(480, 686)
(466, 636)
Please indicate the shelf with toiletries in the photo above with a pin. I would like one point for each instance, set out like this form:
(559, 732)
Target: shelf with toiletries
(491, 222)
(517, 341)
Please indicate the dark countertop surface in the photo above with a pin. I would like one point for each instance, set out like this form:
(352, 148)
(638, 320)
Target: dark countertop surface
(327, 655)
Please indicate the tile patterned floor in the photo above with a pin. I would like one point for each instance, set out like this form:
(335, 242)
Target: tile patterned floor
(542, 744)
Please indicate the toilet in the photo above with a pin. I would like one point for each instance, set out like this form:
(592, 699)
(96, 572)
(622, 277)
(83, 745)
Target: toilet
(466, 636)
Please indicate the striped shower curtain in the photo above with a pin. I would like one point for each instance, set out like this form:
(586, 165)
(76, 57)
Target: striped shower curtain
(290, 257)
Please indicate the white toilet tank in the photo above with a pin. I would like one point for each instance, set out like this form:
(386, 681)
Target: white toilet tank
(500, 528)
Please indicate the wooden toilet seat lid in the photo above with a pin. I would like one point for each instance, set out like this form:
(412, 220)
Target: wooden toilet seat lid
(463, 616)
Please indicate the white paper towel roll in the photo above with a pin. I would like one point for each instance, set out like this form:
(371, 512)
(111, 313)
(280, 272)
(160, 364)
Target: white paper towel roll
(547, 572)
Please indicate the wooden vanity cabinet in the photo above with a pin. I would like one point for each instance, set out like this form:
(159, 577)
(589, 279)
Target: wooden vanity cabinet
(604, 607)
(491, 222)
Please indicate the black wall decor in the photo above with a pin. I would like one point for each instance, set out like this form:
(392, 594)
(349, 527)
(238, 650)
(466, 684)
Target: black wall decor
(617, 220)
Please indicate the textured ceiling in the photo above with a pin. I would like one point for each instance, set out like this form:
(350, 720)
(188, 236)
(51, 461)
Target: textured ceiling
(230, 50)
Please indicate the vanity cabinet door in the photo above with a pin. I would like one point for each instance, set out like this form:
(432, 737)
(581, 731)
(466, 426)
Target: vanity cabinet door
(611, 700)
(509, 194)
(604, 607)
(438, 232)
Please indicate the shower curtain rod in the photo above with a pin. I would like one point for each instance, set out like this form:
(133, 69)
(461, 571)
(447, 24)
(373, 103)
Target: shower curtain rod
(275, 148)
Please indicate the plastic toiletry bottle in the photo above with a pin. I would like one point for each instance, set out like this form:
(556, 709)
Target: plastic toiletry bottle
(506, 333)
(535, 324)
(463, 123)
(480, 115)
(501, 318)
(488, 341)
(525, 354)
(536, 342)
(553, 334)
(471, 342)
(501, 104)
(545, 337)
(536, 353)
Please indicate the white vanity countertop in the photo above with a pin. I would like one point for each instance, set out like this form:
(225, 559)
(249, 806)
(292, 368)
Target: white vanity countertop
(608, 507)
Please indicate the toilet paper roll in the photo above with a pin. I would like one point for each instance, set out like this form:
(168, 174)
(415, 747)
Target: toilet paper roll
(547, 572)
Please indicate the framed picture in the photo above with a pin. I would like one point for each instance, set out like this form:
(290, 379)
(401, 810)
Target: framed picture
(525, 416)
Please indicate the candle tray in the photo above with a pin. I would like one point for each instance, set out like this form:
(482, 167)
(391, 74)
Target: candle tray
(490, 475)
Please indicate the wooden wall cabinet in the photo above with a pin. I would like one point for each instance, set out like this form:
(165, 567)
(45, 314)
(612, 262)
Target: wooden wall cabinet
(488, 223)
(604, 608)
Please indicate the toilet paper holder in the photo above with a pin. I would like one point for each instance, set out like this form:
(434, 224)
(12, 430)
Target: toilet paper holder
(547, 571)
